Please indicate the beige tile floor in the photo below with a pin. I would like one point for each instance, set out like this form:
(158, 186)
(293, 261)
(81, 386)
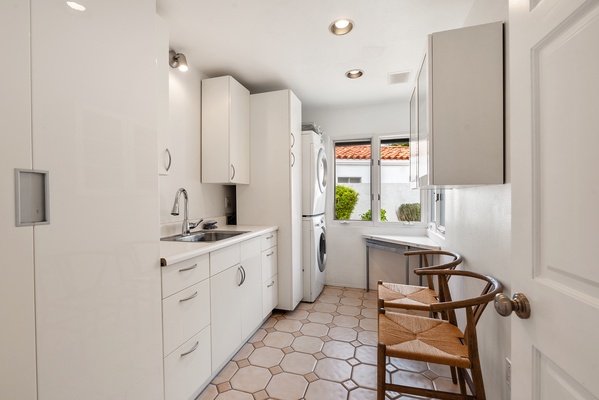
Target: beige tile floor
(320, 351)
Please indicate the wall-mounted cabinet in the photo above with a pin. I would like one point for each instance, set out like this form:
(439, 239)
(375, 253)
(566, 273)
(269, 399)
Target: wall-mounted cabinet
(456, 110)
(225, 131)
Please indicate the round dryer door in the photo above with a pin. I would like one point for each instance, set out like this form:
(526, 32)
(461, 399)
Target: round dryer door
(321, 170)
(322, 251)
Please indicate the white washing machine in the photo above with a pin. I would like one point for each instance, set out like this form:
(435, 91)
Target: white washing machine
(315, 256)
(314, 174)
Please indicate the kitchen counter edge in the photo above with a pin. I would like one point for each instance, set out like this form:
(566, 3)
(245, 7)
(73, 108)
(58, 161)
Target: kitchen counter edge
(174, 252)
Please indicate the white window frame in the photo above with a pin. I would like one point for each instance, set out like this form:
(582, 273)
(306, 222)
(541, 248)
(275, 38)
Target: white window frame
(375, 186)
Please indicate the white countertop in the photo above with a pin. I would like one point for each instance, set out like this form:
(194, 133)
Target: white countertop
(173, 252)
(421, 242)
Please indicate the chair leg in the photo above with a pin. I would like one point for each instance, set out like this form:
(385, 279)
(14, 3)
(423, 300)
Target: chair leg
(477, 381)
(454, 377)
(381, 370)
(462, 380)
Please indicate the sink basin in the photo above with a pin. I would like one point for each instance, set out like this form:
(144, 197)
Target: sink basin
(203, 236)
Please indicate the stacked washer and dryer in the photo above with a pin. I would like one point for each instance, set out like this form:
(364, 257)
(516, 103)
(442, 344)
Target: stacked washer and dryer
(314, 181)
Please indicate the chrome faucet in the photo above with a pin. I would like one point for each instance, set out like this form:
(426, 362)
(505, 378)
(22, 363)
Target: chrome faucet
(187, 226)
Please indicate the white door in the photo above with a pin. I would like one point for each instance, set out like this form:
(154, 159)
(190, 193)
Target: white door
(554, 114)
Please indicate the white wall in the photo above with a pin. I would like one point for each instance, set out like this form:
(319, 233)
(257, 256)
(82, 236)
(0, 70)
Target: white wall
(205, 200)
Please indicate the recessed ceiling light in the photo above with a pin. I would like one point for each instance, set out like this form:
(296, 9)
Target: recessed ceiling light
(75, 6)
(354, 73)
(341, 26)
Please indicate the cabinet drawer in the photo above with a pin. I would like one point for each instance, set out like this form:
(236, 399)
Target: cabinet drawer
(270, 295)
(269, 240)
(184, 314)
(222, 259)
(269, 263)
(250, 248)
(186, 368)
(181, 275)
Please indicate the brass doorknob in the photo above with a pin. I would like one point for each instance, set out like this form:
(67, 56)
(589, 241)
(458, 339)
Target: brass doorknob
(518, 303)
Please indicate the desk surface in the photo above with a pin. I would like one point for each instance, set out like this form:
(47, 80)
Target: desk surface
(421, 242)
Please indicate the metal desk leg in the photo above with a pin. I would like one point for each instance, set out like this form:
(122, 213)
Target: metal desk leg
(367, 268)
(407, 266)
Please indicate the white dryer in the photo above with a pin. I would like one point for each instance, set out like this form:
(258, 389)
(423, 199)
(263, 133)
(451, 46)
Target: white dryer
(314, 174)
(314, 255)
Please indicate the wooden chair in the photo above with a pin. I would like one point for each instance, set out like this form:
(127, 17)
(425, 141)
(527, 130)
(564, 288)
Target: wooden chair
(416, 299)
(436, 340)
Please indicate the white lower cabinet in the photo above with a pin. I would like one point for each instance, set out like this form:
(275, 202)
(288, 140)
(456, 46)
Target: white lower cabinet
(236, 294)
(211, 304)
(186, 326)
(186, 368)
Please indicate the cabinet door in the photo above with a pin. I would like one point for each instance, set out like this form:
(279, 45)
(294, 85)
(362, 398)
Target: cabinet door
(251, 295)
(270, 295)
(414, 139)
(423, 124)
(239, 139)
(225, 314)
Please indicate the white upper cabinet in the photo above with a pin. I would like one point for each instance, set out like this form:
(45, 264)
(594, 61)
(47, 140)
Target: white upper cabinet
(460, 117)
(225, 131)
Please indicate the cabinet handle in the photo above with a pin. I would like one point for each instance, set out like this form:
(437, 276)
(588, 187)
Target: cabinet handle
(270, 237)
(270, 254)
(194, 348)
(189, 298)
(170, 159)
(293, 162)
(242, 272)
(293, 139)
(194, 266)
(271, 283)
(233, 167)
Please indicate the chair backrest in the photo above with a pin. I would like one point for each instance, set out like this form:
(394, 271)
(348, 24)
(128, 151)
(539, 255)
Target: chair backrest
(452, 264)
(474, 306)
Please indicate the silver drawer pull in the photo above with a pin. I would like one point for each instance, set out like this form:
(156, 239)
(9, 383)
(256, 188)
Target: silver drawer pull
(194, 348)
(270, 237)
(194, 266)
(189, 298)
(271, 283)
(270, 254)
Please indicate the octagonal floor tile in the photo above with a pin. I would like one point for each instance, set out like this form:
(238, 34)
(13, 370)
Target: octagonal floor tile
(367, 354)
(348, 310)
(333, 291)
(353, 293)
(288, 325)
(297, 314)
(235, 395)
(362, 394)
(343, 334)
(325, 307)
(351, 301)
(314, 329)
(368, 338)
(369, 324)
(325, 298)
(307, 344)
(279, 340)
(333, 370)
(365, 376)
(251, 379)
(266, 357)
(325, 390)
(320, 317)
(298, 363)
(346, 321)
(409, 378)
(287, 386)
(340, 350)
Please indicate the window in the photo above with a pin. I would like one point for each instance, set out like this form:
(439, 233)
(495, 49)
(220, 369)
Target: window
(398, 201)
(437, 209)
(352, 179)
(357, 184)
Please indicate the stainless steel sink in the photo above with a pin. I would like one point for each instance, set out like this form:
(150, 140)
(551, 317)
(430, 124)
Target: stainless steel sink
(203, 236)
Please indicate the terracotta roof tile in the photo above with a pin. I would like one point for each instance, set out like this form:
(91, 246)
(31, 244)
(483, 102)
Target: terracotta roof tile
(362, 152)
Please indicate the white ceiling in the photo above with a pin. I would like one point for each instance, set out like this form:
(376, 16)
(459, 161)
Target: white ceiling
(285, 44)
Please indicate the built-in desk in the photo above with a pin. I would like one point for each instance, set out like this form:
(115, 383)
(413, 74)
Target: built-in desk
(397, 244)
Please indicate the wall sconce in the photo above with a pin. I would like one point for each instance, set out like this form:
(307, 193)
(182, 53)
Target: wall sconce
(177, 60)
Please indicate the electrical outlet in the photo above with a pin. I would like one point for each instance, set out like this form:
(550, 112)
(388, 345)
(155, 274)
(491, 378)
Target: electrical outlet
(508, 372)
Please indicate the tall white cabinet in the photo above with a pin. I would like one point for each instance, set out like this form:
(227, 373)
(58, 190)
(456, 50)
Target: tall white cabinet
(273, 196)
(81, 295)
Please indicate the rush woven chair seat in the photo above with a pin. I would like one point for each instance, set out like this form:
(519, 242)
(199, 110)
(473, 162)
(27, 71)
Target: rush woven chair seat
(417, 298)
(436, 340)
